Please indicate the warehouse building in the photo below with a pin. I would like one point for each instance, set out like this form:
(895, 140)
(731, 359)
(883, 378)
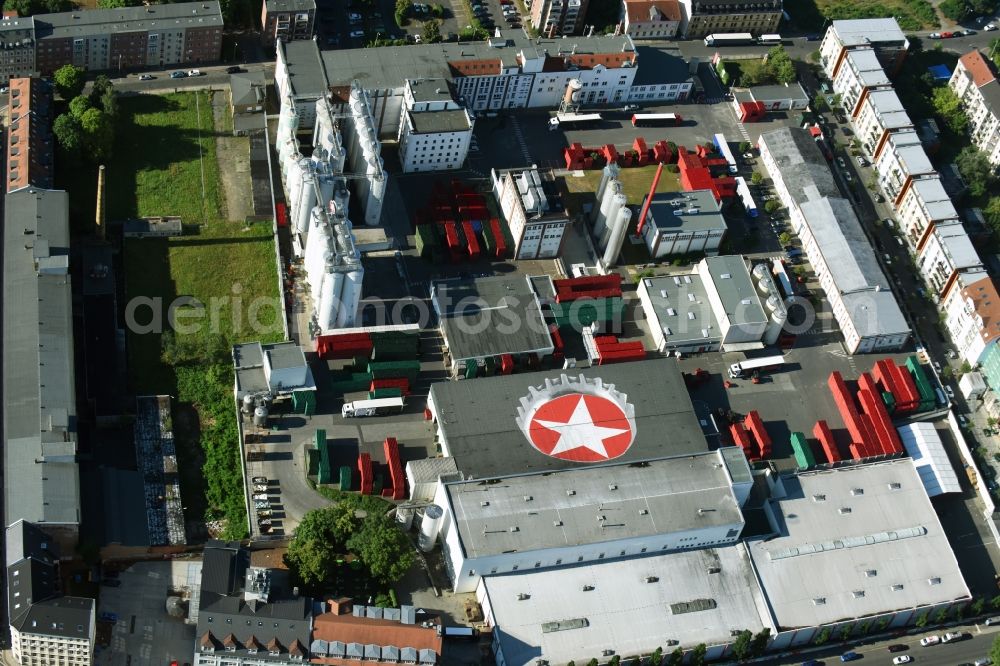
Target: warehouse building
(533, 209)
(547, 520)
(490, 317)
(683, 222)
(872, 531)
(629, 607)
(832, 237)
(717, 306)
(786, 97)
(485, 424)
(923, 444)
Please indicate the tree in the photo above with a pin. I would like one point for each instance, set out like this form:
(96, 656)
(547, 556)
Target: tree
(592, 662)
(676, 657)
(698, 655)
(101, 85)
(384, 550)
(79, 105)
(760, 642)
(404, 8)
(922, 620)
(615, 660)
(21, 7)
(941, 615)
(757, 178)
(819, 103)
(69, 81)
(68, 133)
(99, 133)
(772, 205)
(109, 103)
(312, 554)
(741, 646)
(437, 10)
(780, 65)
(976, 170)
(785, 238)
(948, 108)
(432, 31)
(822, 637)
(992, 214)
(845, 632)
(656, 659)
(995, 650)
(745, 146)
(956, 10)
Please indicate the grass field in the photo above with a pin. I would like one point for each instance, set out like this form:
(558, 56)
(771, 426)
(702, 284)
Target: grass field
(911, 14)
(223, 271)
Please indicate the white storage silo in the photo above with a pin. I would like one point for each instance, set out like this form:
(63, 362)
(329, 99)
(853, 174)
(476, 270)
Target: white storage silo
(604, 216)
(617, 203)
(350, 298)
(376, 193)
(608, 173)
(404, 517)
(325, 184)
(329, 300)
(775, 323)
(571, 96)
(430, 527)
(307, 202)
(617, 237)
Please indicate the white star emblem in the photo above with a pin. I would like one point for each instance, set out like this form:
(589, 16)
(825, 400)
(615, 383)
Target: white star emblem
(580, 431)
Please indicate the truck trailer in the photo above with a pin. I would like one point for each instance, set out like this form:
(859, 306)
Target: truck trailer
(747, 367)
(373, 407)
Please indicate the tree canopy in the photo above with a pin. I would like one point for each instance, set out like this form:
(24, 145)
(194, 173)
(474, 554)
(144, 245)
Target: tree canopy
(319, 539)
(948, 108)
(32, 7)
(69, 81)
(741, 646)
(384, 550)
(995, 650)
(777, 67)
(976, 169)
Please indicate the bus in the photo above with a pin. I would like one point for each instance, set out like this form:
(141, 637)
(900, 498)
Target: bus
(770, 40)
(656, 120)
(571, 120)
(730, 39)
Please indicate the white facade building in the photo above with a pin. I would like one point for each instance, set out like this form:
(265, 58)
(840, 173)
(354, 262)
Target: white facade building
(50, 642)
(879, 114)
(923, 205)
(971, 307)
(435, 131)
(946, 252)
(860, 73)
(901, 161)
(540, 521)
(974, 81)
(533, 210)
(881, 34)
(653, 19)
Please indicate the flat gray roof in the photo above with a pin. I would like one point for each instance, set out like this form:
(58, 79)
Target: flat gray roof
(281, 355)
(873, 31)
(429, 122)
(889, 109)
(684, 601)
(936, 201)
(868, 68)
(661, 65)
(38, 384)
(306, 74)
(910, 151)
(991, 96)
(872, 532)
(957, 245)
(289, 5)
(802, 166)
(477, 417)
(680, 212)
(785, 91)
(672, 307)
(676, 494)
(478, 317)
(736, 291)
(430, 90)
(155, 17)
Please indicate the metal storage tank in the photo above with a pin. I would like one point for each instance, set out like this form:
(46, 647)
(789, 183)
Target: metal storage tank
(617, 236)
(773, 303)
(764, 285)
(760, 271)
(350, 299)
(329, 300)
(260, 416)
(376, 193)
(617, 203)
(248, 404)
(775, 323)
(608, 173)
(307, 201)
(404, 516)
(325, 184)
(430, 527)
(605, 216)
(572, 94)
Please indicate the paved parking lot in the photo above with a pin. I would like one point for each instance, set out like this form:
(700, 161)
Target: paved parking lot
(145, 635)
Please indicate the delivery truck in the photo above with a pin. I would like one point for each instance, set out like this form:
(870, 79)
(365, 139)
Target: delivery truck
(375, 407)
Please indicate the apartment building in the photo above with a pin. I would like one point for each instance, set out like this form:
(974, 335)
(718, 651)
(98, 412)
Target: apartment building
(860, 74)
(29, 137)
(946, 252)
(975, 83)
(832, 238)
(17, 48)
(653, 19)
(901, 161)
(971, 307)
(287, 20)
(46, 628)
(883, 35)
(924, 204)
(188, 33)
(435, 131)
(534, 212)
(878, 115)
(704, 17)
(553, 18)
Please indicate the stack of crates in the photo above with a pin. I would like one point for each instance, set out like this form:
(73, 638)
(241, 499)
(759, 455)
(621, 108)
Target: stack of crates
(393, 369)
(471, 368)
(822, 432)
(365, 471)
(803, 453)
(923, 384)
(581, 315)
(323, 474)
(345, 478)
(395, 346)
(304, 402)
(350, 382)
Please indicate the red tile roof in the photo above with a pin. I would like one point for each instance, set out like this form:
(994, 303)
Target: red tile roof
(587, 61)
(977, 66)
(986, 302)
(350, 629)
(638, 10)
(488, 67)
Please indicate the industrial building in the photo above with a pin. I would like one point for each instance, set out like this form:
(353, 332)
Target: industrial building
(923, 444)
(625, 607)
(17, 48)
(872, 531)
(682, 223)
(348, 632)
(245, 612)
(533, 209)
(547, 520)
(247, 94)
(275, 369)
(481, 423)
(490, 317)
(786, 97)
(435, 131)
(832, 237)
(975, 83)
(287, 20)
(130, 38)
(718, 306)
(704, 17)
(653, 19)
(45, 626)
(29, 137)
(883, 35)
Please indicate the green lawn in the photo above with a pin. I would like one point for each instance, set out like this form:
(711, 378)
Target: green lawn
(911, 14)
(223, 270)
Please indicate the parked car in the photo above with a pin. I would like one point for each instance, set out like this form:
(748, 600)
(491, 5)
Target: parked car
(898, 647)
(355, 17)
(899, 242)
(109, 617)
(963, 421)
(234, 69)
(878, 198)
(194, 72)
(968, 33)
(930, 640)
(989, 27)
(888, 259)
(357, 34)
(953, 637)
(850, 656)
(902, 659)
(841, 163)
(178, 74)
(862, 162)
(417, 39)
(985, 661)
(259, 479)
(848, 177)
(991, 620)
(934, 35)
(947, 35)
(812, 37)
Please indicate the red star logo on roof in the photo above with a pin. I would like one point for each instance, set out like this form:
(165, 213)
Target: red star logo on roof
(580, 427)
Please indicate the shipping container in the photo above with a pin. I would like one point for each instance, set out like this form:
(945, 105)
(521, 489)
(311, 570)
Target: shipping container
(741, 437)
(452, 242)
(426, 240)
(860, 434)
(345, 478)
(343, 346)
(583, 314)
(502, 237)
(471, 368)
(597, 286)
(401, 383)
(821, 431)
(304, 402)
(391, 449)
(871, 404)
(890, 402)
(923, 384)
(319, 439)
(803, 452)
(377, 394)
(885, 373)
(365, 472)
(506, 364)
(394, 369)
(904, 380)
(756, 426)
(857, 453)
(471, 241)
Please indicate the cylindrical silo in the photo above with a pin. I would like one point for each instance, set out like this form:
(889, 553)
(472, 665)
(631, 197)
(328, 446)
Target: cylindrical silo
(603, 205)
(572, 94)
(325, 184)
(260, 417)
(764, 284)
(248, 404)
(307, 201)
(618, 202)
(329, 300)
(775, 323)
(430, 527)
(404, 517)
(761, 270)
(773, 303)
(608, 173)
(617, 237)
(376, 193)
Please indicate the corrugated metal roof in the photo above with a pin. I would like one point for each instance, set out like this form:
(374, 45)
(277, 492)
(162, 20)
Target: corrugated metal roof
(923, 444)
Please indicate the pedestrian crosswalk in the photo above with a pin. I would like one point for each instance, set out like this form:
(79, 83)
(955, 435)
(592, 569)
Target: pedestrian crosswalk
(519, 137)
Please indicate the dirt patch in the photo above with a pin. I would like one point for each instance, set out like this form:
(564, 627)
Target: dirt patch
(233, 154)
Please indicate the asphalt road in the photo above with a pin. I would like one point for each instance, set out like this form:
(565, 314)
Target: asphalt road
(211, 76)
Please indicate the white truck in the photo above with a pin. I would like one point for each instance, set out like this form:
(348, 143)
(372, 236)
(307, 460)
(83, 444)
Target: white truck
(375, 407)
(747, 367)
